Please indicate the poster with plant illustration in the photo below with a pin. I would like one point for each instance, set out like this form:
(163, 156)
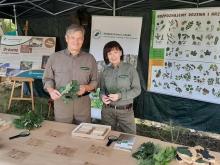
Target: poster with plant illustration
(184, 57)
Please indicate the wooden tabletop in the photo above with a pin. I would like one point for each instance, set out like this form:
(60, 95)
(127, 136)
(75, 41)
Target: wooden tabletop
(52, 144)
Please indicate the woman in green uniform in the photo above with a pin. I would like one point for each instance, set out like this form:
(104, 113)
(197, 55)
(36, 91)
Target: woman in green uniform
(120, 84)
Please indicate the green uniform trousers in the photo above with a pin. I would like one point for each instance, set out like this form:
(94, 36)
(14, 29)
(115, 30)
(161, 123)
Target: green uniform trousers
(75, 111)
(119, 119)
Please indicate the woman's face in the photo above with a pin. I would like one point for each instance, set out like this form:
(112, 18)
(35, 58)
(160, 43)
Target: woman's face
(114, 56)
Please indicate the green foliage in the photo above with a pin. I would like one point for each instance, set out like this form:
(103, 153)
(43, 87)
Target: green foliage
(69, 92)
(185, 151)
(113, 90)
(150, 154)
(145, 162)
(145, 151)
(95, 100)
(29, 120)
(7, 25)
(96, 103)
(164, 156)
(201, 161)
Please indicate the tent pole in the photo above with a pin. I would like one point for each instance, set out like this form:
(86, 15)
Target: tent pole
(130, 4)
(31, 8)
(78, 5)
(17, 3)
(113, 7)
(206, 2)
(107, 3)
(15, 17)
(2, 1)
(183, 1)
(37, 6)
(6, 14)
(85, 4)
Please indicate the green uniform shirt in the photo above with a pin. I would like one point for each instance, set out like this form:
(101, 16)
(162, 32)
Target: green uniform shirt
(123, 80)
(62, 68)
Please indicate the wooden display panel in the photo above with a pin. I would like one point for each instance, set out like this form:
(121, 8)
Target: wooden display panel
(94, 131)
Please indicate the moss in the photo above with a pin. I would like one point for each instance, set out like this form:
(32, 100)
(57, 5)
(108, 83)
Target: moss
(179, 135)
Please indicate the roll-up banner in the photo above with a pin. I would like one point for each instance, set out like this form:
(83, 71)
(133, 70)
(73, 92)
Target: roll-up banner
(125, 30)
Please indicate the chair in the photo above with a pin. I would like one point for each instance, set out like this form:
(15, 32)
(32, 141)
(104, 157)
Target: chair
(21, 80)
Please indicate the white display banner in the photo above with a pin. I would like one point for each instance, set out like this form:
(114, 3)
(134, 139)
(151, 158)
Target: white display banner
(125, 30)
(19, 53)
(184, 56)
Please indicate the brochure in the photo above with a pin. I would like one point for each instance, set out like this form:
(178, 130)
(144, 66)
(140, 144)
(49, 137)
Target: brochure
(125, 142)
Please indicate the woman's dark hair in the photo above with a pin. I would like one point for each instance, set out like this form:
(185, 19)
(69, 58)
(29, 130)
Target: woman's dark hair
(108, 47)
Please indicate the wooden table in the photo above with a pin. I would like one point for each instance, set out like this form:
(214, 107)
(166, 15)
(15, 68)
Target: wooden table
(52, 144)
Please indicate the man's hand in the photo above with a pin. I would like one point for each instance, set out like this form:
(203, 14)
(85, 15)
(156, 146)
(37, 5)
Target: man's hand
(106, 99)
(114, 97)
(54, 94)
(82, 90)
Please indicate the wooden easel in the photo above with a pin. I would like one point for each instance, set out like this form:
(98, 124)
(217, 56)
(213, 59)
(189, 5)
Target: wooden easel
(22, 80)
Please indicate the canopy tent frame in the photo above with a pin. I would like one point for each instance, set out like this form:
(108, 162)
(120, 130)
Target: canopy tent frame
(86, 4)
(76, 5)
(109, 7)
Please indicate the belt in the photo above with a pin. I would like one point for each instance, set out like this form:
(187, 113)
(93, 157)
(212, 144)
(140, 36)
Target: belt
(128, 106)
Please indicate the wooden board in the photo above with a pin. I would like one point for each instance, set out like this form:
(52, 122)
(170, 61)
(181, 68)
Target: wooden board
(94, 131)
(53, 144)
(4, 124)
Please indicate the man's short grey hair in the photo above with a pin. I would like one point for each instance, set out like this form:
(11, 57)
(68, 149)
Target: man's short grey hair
(74, 28)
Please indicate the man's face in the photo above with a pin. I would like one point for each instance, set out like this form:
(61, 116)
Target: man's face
(74, 41)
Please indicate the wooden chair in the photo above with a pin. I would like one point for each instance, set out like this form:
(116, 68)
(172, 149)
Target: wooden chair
(21, 80)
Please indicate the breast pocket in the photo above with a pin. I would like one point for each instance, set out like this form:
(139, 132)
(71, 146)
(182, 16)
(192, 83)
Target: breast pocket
(62, 77)
(109, 82)
(124, 81)
(84, 75)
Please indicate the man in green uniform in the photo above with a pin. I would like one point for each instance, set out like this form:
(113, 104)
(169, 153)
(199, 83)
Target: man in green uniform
(67, 65)
(120, 84)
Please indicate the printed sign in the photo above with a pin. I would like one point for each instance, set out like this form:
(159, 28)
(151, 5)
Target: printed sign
(21, 53)
(184, 56)
(124, 30)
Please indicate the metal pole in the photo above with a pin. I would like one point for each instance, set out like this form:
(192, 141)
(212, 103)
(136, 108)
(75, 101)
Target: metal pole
(17, 3)
(15, 17)
(183, 1)
(129, 4)
(197, 5)
(201, 3)
(113, 7)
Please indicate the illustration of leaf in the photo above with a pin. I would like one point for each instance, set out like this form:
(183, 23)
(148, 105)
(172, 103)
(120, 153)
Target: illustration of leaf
(189, 25)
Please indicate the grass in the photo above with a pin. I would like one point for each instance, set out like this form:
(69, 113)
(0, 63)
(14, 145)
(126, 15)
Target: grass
(179, 135)
(21, 107)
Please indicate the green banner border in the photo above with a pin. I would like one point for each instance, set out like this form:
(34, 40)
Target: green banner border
(155, 53)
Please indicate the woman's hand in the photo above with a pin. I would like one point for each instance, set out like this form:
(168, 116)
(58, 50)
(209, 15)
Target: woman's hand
(106, 99)
(114, 97)
(82, 90)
